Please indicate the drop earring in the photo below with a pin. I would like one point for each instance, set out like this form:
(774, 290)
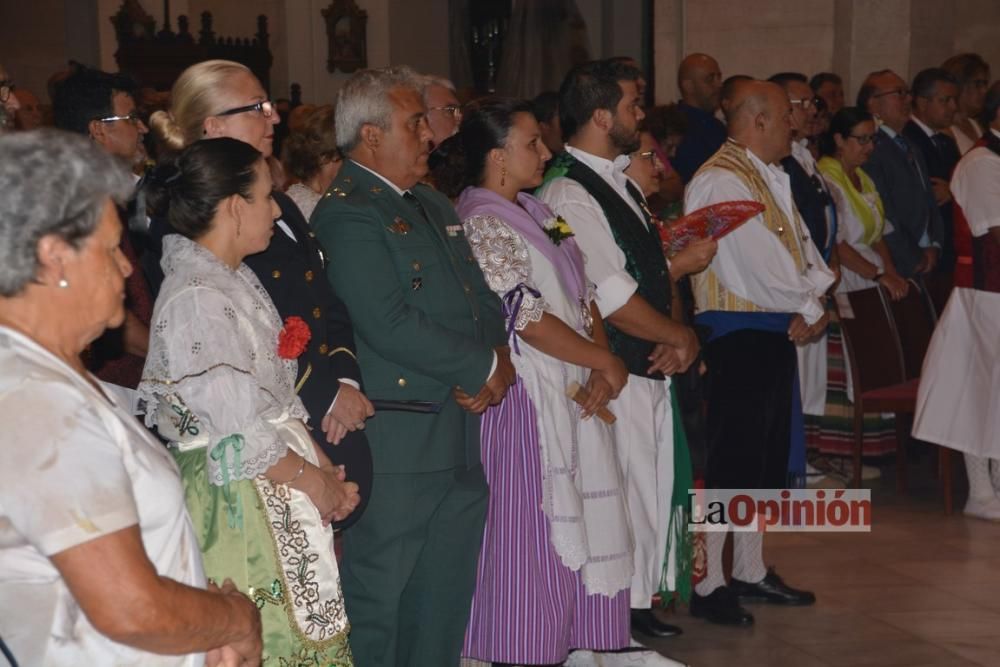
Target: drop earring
(503, 176)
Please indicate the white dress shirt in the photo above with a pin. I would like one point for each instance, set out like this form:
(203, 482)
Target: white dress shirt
(751, 262)
(605, 260)
(976, 187)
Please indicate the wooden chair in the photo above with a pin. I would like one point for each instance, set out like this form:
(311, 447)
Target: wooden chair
(915, 319)
(880, 380)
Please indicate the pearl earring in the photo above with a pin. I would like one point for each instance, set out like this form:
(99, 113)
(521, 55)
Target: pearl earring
(63, 283)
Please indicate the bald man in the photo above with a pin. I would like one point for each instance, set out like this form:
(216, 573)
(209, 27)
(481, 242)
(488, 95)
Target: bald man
(700, 83)
(761, 296)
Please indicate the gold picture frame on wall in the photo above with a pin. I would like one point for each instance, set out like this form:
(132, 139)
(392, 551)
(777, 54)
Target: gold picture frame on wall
(346, 35)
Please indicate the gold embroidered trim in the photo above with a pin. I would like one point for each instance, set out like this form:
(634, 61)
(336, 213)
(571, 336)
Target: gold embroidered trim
(323, 645)
(168, 383)
(344, 350)
(305, 376)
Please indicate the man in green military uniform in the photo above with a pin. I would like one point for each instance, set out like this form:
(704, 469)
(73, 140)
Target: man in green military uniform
(428, 329)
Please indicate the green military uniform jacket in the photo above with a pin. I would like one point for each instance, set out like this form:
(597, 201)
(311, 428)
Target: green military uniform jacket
(424, 318)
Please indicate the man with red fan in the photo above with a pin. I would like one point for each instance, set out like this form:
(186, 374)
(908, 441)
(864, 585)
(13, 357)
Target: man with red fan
(760, 296)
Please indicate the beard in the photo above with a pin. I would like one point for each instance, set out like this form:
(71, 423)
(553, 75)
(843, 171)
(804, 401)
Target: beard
(625, 140)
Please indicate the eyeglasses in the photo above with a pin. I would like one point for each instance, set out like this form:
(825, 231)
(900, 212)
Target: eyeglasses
(863, 139)
(453, 110)
(900, 92)
(807, 103)
(980, 83)
(6, 89)
(132, 117)
(645, 155)
(266, 108)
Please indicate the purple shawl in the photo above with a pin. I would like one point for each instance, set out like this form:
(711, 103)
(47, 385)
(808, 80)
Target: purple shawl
(528, 217)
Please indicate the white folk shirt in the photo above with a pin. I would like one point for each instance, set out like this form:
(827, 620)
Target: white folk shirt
(976, 187)
(605, 260)
(75, 467)
(751, 262)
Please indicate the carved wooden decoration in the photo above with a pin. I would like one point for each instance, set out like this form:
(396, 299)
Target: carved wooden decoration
(347, 44)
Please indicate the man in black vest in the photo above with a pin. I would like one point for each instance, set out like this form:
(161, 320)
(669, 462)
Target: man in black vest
(599, 110)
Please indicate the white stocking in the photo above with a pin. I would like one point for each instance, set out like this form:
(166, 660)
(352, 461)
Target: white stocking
(714, 577)
(978, 469)
(748, 557)
(995, 474)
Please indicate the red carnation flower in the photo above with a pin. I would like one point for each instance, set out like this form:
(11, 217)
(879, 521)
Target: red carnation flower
(293, 339)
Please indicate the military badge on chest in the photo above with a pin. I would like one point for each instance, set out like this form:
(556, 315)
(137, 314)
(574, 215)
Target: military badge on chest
(399, 226)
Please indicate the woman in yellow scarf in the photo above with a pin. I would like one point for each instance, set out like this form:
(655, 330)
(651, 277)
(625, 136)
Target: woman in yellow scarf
(862, 223)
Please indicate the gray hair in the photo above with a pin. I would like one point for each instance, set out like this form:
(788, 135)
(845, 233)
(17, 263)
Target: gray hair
(428, 80)
(52, 182)
(364, 100)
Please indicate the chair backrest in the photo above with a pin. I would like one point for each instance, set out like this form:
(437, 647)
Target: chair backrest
(915, 322)
(871, 341)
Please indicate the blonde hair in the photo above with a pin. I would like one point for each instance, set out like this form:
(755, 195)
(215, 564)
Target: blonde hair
(194, 97)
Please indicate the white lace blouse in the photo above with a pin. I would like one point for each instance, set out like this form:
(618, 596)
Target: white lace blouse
(213, 377)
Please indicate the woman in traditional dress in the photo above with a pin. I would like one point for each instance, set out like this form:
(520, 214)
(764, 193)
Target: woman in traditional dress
(865, 262)
(556, 563)
(219, 384)
(973, 76)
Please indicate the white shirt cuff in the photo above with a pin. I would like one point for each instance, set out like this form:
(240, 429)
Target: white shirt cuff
(347, 381)
(614, 292)
(812, 311)
(493, 367)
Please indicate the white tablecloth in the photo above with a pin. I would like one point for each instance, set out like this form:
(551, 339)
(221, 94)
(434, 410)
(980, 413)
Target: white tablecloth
(958, 404)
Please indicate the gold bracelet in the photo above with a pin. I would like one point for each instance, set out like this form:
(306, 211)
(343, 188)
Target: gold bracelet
(302, 469)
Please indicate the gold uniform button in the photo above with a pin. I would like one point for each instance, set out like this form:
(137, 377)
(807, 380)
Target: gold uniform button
(309, 276)
(468, 290)
(401, 382)
(317, 312)
(416, 266)
(275, 274)
(324, 348)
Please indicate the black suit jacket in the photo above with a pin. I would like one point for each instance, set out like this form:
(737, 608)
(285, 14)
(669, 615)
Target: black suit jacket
(813, 201)
(941, 161)
(294, 275)
(908, 201)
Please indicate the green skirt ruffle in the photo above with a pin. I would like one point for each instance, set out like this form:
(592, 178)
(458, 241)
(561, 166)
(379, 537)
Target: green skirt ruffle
(247, 555)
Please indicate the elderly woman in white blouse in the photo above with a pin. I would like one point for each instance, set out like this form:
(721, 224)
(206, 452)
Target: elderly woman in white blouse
(99, 564)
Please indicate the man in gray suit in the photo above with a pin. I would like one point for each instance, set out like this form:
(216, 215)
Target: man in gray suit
(901, 177)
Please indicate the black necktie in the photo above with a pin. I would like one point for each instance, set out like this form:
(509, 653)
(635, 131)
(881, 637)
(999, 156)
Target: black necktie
(908, 150)
(947, 148)
(413, 201)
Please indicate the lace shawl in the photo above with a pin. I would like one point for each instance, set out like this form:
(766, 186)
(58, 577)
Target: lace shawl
(213, 377)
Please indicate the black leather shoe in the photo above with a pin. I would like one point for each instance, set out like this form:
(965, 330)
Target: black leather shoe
(721, 607)
(645, 622)
(773, 590)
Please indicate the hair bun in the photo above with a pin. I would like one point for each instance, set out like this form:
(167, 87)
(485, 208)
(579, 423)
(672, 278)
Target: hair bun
(164, 126)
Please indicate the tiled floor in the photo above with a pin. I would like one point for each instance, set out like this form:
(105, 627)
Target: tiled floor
(920, 590)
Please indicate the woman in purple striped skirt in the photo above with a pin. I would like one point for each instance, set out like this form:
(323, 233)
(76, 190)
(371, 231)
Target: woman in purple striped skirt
(556, 562)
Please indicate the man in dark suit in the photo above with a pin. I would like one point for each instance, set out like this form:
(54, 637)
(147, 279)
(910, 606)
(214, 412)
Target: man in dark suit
(901, 177)
(101, 106)
(700, 82)
(428, 329)
(935, 101)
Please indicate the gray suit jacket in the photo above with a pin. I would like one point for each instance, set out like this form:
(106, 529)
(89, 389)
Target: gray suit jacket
(908, 200)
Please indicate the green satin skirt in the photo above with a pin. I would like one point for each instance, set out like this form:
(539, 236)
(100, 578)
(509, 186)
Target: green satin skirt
(238, 542)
